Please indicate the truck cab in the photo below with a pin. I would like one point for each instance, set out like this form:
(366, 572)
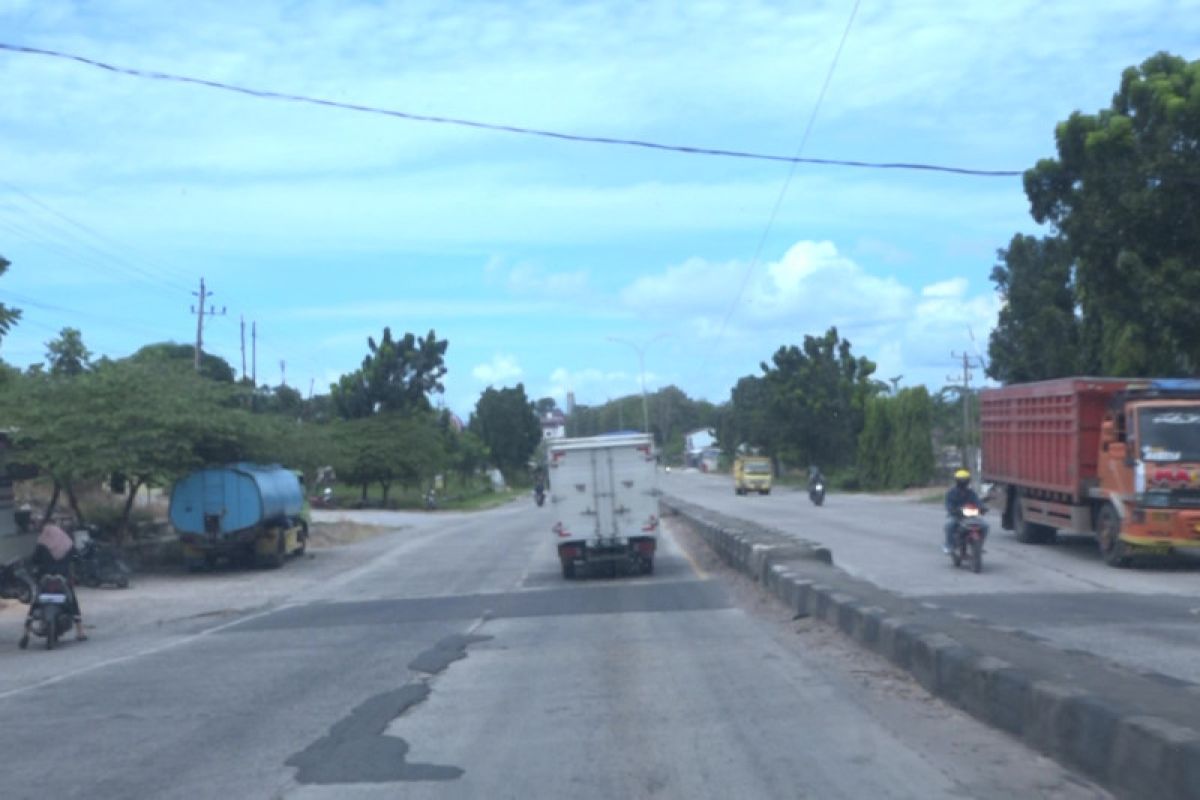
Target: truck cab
(752, 474)
(1150, 467)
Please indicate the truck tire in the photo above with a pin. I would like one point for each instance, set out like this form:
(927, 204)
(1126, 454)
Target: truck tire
(1108, 536)
(276, 559)
(568, 569)
(1030, 532)
(649, 565)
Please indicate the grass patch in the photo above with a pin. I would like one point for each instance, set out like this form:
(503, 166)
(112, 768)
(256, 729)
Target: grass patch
(482, 500)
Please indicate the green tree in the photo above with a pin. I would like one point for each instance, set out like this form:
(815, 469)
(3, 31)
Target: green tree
(817, 399)
(141, 421)
(1124, 194)
(67, 355)
(396, 375)
(1037, 335)
(506, 421)
(172, 355)
(389, 448)
(895, 449)
(8, 315)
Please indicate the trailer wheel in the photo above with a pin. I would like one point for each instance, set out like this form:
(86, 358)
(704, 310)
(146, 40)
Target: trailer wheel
(1108, 534)
(1029, 532)
(568, 569)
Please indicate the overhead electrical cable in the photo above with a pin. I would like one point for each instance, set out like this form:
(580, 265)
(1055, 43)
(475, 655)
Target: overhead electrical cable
(94, 241)
(267, 94)
(812, 118)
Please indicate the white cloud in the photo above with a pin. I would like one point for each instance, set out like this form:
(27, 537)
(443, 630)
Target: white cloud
(906, 330)
(501, 369)
(812, 286)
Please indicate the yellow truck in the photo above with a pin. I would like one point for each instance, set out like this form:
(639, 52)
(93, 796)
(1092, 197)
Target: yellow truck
(752, 474)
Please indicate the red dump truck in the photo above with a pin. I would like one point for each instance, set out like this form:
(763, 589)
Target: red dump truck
(1118, 458)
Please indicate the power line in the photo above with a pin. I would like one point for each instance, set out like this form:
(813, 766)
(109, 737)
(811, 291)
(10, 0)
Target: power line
(812, 118)
(65, 226)
(266, 94)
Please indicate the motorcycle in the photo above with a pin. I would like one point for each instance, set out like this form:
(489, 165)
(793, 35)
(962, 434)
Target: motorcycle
(97, 564)
(539, 496)
(816, 492)
(49, 616)
(431, 500)
(16, 582)
(968, 538)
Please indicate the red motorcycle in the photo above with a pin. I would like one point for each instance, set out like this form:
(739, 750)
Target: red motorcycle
(969, 534)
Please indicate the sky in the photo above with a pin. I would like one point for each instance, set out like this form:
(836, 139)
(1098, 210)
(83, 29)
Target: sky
(547, 262)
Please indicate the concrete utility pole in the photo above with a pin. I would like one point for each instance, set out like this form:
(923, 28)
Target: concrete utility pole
(200, 313)
(641, 351)
(254, 354)
(243, 321)
(969, 363)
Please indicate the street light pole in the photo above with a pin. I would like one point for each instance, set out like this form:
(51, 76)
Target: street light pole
(641, 351)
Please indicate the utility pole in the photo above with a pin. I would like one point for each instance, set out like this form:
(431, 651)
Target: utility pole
(282, 372)
(201, 312)
(243, 321)
(641, 351)
(969, 364)
(254, 354)
(312, 382)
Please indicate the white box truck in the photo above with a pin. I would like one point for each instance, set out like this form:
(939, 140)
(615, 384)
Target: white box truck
(604, 496)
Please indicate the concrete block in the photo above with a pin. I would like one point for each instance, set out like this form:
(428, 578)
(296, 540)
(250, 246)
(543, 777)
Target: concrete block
(1152, 758)
(927, 650)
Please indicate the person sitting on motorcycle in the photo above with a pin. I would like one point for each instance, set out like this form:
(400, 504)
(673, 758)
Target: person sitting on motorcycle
(959, 495)
(52, 556)
(814, 476)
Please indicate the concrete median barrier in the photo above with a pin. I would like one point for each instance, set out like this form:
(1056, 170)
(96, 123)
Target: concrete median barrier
(1136, 736)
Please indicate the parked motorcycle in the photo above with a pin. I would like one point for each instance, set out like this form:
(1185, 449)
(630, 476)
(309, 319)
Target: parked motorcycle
(49, 615)
(99, 564)
(969, 534)
(816, 492)
(16, 582)
(539, 495)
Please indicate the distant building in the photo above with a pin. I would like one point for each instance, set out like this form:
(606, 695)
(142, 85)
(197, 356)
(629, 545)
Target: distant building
(696, 443)
(554, 425)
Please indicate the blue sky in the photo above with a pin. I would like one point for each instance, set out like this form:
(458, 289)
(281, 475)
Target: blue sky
(323, 226)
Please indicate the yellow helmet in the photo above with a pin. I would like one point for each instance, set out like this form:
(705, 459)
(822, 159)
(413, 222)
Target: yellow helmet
(962, 475)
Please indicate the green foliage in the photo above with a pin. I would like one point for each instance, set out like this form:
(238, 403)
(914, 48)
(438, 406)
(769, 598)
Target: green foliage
(1037, 335)
(672, 416)
(149, 422)
(1124, 197)
(388, 448)
(169, 355)
(8, 315)
(746, 420)
(895, 449)
(506, 422)
(816, 400)
(67, 355)
(397, 375)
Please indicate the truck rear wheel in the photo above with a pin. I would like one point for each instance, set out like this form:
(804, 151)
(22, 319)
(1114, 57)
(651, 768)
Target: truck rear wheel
(1029, 532)
(1108, 535)
(568, 569)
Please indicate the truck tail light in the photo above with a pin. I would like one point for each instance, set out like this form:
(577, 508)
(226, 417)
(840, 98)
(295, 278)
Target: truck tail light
(645, 547)
(651, 524)
(569, 551)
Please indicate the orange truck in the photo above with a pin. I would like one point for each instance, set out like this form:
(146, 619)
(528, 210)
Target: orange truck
(1118, 458)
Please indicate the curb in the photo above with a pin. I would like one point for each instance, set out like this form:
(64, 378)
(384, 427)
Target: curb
(1131, 754)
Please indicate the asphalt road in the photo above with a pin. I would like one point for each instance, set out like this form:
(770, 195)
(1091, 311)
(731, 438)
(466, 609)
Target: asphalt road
(449, 659)
(1146, 617)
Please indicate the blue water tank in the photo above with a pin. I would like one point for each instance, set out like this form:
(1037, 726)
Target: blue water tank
(225, 500)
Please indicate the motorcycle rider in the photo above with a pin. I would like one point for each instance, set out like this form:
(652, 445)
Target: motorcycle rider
(959, 495)
(52, 556)
(814, 476)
